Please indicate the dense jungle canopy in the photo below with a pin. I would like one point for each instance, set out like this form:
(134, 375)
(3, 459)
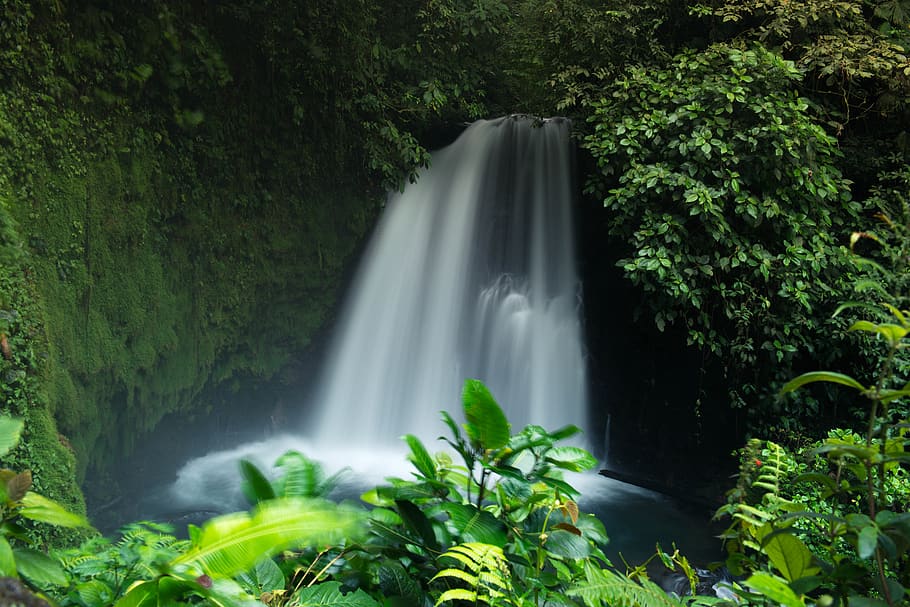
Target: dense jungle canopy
(182, 185)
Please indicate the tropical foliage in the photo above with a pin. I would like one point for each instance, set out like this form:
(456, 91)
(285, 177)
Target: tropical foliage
(728, 197)
(182, 184)
(500, 527)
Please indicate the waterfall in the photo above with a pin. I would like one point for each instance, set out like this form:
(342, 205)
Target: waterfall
(470, 274)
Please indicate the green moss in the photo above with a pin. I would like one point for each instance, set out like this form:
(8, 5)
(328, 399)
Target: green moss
(24, 370)
(157, 260)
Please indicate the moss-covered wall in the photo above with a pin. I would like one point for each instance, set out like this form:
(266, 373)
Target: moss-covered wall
(150, 257)
(23, 374)
(188, 180)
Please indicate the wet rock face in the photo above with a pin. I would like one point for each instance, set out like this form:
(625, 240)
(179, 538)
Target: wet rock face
(13, 593)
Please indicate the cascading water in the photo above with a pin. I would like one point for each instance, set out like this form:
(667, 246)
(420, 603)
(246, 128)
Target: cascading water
(470, 274)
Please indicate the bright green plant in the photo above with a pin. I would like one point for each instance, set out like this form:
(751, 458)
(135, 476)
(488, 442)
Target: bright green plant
(501, 527)
(228, 561)
(299, 476)
(605, 588)
(18, 554)
(508, 491)
(101, 570)
(846, 539)
(483, 575)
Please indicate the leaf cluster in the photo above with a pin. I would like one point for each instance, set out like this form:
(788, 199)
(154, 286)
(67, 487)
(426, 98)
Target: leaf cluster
(845, 537)
(20, 555)
(500, 528)
(853, 53)
(727, 194)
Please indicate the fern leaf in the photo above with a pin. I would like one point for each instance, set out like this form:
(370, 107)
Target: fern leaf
(233, 543)
(487, 574)
(603, 587)
(457, 594)
(464, 576)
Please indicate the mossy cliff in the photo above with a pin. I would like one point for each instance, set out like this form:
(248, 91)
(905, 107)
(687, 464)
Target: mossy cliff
(182, 184)
(150, 252)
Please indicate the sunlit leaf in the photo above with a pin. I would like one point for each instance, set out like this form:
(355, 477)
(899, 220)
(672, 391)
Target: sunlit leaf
(774, 588)
(266, 576)
(10, 430)
(420, 457)
(824, 376)
(140, 594)
(790, 556)
(232, 543)
(7, 560)
(39, 508)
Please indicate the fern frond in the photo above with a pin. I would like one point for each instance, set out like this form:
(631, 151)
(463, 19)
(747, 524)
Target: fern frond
(486, 574)
(606, 588)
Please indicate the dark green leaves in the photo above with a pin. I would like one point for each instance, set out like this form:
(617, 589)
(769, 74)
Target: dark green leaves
(329, 594)
(727, 194)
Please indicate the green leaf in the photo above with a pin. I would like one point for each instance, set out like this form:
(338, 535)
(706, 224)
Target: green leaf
(420, 457)
(394, 581)
(143, 594)
(790, 556)
(39, 508)
(233, 543)
(39, 568)
(457, 594)
(592, 528)
(575, 459)
(886, 396)
(418, 522)
(329, 594)
(476, 525)
(487, 426)
(826, 376)
(893, 333)
(94, 592)
(256, 487)
(7, 560)
(10, 430)
(567, 544)
(303, 477)
(564, 432)
(775, 589)
(866, 541)
(266, 576)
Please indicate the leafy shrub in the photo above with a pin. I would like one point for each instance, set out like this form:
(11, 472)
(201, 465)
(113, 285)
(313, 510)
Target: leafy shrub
(734, 212)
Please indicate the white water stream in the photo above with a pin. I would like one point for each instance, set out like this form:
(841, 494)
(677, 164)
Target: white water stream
(470, 274)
